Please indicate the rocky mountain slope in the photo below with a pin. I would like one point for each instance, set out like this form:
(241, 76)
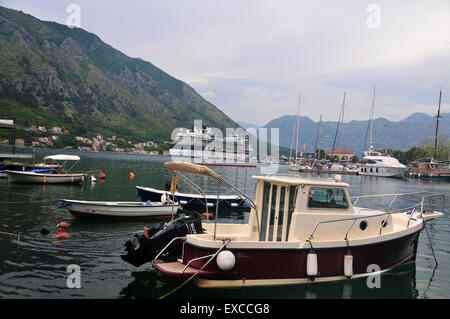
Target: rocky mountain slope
(51, 74)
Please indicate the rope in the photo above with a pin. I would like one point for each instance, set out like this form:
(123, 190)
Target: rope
(19, 236)
(429, 240)
(225, 242)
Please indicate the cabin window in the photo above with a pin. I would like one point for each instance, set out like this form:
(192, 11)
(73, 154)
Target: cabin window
(264, 207)
(291, 200)
(327, 198)
(277, 207)
(281, 213)
(273, 207)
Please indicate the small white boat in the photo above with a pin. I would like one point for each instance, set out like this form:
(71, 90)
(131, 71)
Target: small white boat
(44, 178)
(49, 176)
(89, 209)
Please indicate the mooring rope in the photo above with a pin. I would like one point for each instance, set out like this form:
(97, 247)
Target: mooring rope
(431, 244)
(225, 242)
(22, 236)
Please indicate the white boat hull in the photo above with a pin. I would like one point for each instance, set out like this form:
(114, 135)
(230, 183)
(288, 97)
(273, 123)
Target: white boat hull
(40, 178)
(382, 171)
(82, 209)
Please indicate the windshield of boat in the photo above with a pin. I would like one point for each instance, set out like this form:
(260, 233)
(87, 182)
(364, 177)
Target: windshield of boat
(333, 198)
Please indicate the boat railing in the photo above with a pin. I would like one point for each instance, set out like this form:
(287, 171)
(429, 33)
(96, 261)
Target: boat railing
(167, 246)
(195, 259)
(409, 210)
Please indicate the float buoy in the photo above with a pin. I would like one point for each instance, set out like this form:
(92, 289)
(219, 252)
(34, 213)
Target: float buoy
(348, 264)
(311, 265)
(131, 175)
(225, 260)
(208, 215)
(101, 175)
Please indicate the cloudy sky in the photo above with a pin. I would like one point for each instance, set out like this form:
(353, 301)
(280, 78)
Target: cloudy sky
(252, 58)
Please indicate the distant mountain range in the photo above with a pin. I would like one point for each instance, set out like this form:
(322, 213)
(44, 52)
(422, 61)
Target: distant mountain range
(401, 135)
(53, 75)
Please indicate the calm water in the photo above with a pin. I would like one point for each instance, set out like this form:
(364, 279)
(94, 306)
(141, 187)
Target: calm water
(33, 268)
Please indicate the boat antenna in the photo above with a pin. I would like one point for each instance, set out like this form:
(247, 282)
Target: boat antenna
(341, 115)
(438, 116)
(370, 123)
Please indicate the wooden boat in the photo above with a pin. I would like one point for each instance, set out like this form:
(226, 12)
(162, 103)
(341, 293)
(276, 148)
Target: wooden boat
(428, 168)
(49, 176)
(110, 209)
(193, 201)
(299, 230)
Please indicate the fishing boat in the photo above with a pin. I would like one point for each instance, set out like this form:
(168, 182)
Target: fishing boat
(49, 176)
(193, 201)
(299, 230)
(111, 209)
(428, 168)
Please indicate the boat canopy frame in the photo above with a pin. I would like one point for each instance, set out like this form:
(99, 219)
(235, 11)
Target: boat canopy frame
(65, 158)
(178, 167)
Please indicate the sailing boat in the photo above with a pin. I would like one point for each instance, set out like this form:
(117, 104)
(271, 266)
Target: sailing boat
(294, 165)
(429, 167)
(376, 163)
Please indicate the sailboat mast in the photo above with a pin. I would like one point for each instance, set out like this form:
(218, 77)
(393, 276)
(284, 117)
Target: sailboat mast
(318, 138)
(337, 128)
(437, 125)
(294, 133)
(298, 123)
(372, 110)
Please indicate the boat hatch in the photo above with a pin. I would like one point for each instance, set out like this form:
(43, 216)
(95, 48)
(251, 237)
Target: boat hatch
(278, 203)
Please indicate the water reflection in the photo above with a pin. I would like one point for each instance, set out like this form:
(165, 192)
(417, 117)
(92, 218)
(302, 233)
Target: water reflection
(38, 268)
(399, 283)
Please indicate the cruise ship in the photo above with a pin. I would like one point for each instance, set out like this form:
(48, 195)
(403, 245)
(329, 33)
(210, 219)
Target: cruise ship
(379, 164)
(205, 145)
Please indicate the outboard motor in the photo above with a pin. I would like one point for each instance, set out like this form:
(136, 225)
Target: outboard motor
(142, 249)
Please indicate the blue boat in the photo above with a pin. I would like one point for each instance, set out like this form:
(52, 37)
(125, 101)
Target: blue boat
(193, 201)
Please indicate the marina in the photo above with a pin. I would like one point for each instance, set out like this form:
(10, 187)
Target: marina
(152, 150)
(97, 245)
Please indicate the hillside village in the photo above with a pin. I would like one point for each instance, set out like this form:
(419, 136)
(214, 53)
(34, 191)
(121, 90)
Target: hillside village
(51, 138)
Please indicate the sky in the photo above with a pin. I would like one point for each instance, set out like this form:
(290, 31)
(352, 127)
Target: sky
(253, 58)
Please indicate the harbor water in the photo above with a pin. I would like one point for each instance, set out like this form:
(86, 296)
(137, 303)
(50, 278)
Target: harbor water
(37, 268)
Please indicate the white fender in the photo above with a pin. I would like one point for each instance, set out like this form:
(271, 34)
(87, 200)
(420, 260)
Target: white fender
(311, 265)
(225, 260)
(348, 265)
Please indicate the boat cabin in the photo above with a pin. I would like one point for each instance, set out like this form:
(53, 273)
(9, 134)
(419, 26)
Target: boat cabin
(289, 209)
(287, 204)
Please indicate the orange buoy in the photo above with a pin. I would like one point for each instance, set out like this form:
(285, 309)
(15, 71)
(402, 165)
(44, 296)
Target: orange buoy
(101, 175)
(131, 175)
(208, 215)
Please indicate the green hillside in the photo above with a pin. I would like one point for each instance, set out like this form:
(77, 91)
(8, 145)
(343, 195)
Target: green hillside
(53, 75)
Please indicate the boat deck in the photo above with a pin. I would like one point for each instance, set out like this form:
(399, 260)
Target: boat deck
(176, 268)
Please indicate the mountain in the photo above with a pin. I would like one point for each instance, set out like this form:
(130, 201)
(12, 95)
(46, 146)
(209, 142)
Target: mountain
(53, 75)
(246, 125)
(401, 135)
